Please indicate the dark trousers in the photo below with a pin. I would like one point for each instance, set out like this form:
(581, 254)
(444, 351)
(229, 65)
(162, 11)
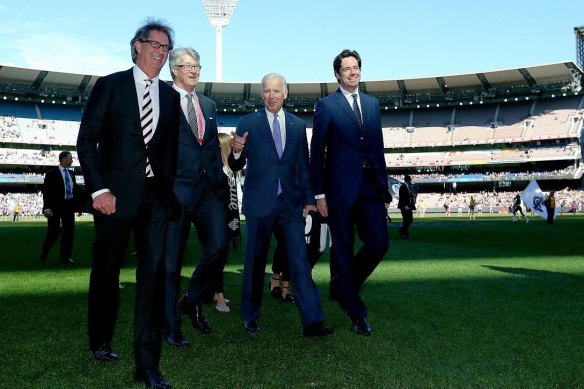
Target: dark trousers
(207, 214)
(259, 233)
(407, 220)
(550, 215)
(109, 249)
(61, 224)
(367, 215)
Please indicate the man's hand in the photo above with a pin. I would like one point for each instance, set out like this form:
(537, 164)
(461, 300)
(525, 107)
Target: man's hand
(105, 203)
(238, 142)
(48, 213)
(308, 208)
(321, 207)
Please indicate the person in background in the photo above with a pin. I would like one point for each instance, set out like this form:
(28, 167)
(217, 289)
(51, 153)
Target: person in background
(276, 194)
(127, 147)
(350, 183)
(60, 195)
(550, 205)
(517, 208)
(407, 205)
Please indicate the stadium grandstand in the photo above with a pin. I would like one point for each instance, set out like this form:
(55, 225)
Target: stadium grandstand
(477, 132)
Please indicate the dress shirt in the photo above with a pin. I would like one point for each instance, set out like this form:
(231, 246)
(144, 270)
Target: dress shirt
(183, 104)
(270, 118)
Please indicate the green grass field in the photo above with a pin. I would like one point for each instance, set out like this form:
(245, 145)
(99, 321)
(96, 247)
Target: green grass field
(481, 304)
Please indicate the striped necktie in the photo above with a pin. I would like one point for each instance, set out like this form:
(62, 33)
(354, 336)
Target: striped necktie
(146, 120)
(192, 118)
(278, 143)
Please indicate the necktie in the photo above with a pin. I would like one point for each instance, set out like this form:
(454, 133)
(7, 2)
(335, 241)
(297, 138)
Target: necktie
(68, 190)
(146, 120)
(278, 143)
(192, 118)
(357, 110)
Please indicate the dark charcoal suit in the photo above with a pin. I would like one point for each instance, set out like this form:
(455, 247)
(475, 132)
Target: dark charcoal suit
(113, 155)
(62, 222)
(200, 189)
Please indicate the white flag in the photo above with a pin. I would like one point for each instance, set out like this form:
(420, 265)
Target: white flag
(534, 199)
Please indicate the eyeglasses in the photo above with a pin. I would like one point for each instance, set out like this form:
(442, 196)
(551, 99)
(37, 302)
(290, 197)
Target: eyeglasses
(188, 68)
(157, 45)
(349, 68)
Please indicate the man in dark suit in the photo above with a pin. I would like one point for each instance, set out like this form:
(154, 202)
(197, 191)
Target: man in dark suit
(127, 147)
(349, 179)
(60, 194)
(276, 193)
(407, 205)
(199, 187)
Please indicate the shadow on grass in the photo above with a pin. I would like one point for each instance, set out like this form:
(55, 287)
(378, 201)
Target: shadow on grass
(542, 274)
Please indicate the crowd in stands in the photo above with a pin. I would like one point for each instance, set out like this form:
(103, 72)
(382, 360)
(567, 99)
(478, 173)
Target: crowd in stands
(491, 202)
(27, 205)
(492, 175)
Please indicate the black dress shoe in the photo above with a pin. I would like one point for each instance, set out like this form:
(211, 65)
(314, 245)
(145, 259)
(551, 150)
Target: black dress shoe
(176, 339)
(276, 291)
(43, 257)
(104, 353)
(362, 327)
(317, 329)
(251, 326)
(195, 312)
(153, 378)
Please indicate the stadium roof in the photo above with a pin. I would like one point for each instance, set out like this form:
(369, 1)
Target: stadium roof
(35, 83)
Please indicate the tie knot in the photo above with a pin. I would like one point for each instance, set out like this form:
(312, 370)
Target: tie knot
(148, 82)
(189, 97)
(354, 96)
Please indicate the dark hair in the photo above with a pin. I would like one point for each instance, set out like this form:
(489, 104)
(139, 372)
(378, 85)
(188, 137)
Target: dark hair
(63, 154)
(143, 32)
(407, 178)
(344, 54)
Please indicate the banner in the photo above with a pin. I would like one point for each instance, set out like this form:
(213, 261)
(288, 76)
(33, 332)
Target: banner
(394, 187)
(534, 199)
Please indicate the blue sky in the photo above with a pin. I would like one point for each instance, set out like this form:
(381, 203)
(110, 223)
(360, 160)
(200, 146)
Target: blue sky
(299, 39)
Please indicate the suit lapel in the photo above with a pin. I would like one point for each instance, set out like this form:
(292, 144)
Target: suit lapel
(266, 131)
(346, 107)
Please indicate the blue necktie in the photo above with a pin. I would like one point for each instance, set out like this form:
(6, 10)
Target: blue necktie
(68, 191)
(278, 143)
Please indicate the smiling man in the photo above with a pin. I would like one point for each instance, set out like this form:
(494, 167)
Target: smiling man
(276, 193)
(350, 184)
(199, 187)
(127, 147)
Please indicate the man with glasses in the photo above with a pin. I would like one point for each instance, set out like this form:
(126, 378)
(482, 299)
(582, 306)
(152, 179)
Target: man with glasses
(350, 184)
(199, 187)
(127, 147)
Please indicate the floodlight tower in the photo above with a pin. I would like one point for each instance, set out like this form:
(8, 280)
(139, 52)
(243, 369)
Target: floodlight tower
(579, 32)
(219, 13)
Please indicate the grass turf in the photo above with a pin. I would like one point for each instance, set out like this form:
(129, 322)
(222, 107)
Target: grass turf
(481, 304)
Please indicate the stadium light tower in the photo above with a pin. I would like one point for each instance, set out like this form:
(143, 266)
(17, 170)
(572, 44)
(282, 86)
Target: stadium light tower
(579, 32)
(219, 13)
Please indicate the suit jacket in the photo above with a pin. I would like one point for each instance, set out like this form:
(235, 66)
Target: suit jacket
(406, 198)
(342, 153)
(54, 191)
(264, 168)
(111, 148)
(194, 158)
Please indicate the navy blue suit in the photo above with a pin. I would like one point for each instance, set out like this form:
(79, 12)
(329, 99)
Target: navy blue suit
(199, 187)
(347, 165)
(265, 210)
